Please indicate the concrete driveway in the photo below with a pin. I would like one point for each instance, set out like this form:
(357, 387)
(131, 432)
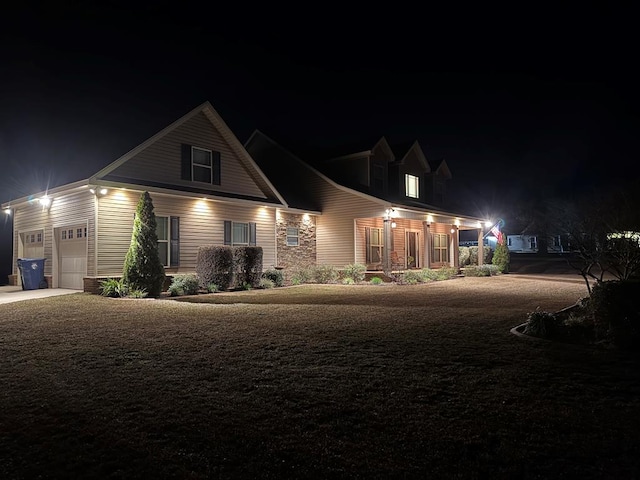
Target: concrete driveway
(10, 294)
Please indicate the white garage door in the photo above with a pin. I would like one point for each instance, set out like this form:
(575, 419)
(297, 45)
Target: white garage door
(72, 262)
(32, 245)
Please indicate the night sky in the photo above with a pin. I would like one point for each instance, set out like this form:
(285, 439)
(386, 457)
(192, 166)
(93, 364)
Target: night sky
(518, 103)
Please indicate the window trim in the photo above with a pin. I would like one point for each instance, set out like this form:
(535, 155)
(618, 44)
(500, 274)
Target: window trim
(167, 240)
(409, 182)
(441, 248)
(370, 246)
(209, 167)
(295, 236)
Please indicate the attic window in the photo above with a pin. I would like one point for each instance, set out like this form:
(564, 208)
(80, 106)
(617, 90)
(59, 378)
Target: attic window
(412, 186)
(200, 165)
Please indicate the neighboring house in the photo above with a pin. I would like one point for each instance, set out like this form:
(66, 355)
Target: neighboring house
(526, 243)
(207, 188)
(367, 214)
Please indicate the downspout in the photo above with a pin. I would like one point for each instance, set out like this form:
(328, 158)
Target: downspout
(95, 237)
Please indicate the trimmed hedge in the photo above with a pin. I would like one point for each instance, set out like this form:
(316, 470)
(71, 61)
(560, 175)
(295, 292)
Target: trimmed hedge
(215, 264)
(247, 266)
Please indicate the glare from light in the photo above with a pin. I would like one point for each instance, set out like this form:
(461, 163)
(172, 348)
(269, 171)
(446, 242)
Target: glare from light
(93, 191)
(430, 218)
(103, 191)
(44, 201)
(7, 211)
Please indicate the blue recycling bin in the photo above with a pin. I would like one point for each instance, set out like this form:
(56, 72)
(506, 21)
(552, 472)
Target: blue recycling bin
(32, 273)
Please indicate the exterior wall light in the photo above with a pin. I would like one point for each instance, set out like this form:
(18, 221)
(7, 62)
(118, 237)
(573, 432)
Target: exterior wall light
(7, 210)
(393, 224)
(44, 201)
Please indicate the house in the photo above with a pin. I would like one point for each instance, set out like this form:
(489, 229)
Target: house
(208, 188)
(528, 243)
(372, 205)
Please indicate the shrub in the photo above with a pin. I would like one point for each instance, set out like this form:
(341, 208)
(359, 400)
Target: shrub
(501, 257)
(348, 281)
(266, 283)
(137, 293)
(213, 288)
(187, 284)
(616, 312)
(247, 266)
(428, 274)
(324, 273)
(541, 324)
(411, 277)
(465, 256)
(446, 273)
(355, 271)
(143, 268)
(276, 276)
(376, 281)
(214, 264)
(302, 275)
(113, 287)
(481, 271)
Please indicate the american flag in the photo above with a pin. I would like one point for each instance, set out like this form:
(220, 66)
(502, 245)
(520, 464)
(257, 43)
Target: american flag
(496, 232)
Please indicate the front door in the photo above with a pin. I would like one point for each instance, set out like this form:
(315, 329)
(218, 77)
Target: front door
(413, 249)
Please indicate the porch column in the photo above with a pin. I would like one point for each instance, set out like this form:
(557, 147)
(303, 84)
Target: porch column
(427, 244)
(386, 251)
(455, 247)
(480, 247)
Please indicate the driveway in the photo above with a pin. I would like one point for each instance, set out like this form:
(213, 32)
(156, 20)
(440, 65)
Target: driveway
(10, 293)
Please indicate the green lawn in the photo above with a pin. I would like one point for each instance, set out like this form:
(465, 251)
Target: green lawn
(304, 382)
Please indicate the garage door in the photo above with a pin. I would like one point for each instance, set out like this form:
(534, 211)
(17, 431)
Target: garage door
(32, 245)
(72, 261)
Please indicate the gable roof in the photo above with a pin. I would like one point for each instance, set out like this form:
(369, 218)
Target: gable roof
(207, 109)
(404, 150)
(285, 185)
(441, 168)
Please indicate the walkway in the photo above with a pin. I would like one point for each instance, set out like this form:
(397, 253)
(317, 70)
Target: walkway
(10, 293)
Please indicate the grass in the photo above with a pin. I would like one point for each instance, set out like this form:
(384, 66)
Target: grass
(313, 381)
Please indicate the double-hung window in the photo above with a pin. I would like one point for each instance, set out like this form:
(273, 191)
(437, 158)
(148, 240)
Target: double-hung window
(239, 233)
(412, 186)
(200, 165)
(375, 245)
(293, 239)
(168, 231)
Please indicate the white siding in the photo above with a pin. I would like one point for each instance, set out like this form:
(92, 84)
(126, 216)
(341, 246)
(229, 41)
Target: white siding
(201, 223)
(161, 161)
(72, 209)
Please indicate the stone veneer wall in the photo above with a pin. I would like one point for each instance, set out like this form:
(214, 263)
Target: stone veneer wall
(304, 254)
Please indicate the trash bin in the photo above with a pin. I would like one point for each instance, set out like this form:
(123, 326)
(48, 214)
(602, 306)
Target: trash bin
(32, 273)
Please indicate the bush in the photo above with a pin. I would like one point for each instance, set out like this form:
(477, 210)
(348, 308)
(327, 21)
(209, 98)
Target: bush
(301, 275)
(348, 281)
(143, 269)
(137, 293)
(465, 255)
(355, 271)
(187, 284)
(376, 281)
(541, 324)
(213, 288)
(113, 287)
(616, 312)
(501, 257)
(276, 276)
(411, 277)
(428, 274)
(266, 283)
(247, 266)
(446, 273)
(324, 273)
(481, 271)
(214, 264)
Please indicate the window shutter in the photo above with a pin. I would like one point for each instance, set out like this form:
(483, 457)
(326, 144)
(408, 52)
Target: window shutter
(252, 233)
(186, 162)
(367, 239)
(175, 241)
(227, 232)
(216, 167)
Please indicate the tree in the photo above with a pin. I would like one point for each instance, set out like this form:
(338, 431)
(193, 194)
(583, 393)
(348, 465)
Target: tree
(604, 232)
(143, 269)
(501, 257)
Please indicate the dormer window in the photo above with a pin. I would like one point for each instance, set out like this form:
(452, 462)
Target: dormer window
(412, 186)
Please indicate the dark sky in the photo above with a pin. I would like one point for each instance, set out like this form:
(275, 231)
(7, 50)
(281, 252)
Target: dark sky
(518, 102)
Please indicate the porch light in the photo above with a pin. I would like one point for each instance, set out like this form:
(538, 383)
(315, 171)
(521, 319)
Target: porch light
(393, 224)
(98, 191)
(7, 210)
(453, 230)
(429, 218)
(390, 213)
(103, 191)
(44, 201)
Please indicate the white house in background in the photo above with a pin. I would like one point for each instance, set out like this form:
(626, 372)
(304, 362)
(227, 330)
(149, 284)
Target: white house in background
(525, 243)
(207, 189)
